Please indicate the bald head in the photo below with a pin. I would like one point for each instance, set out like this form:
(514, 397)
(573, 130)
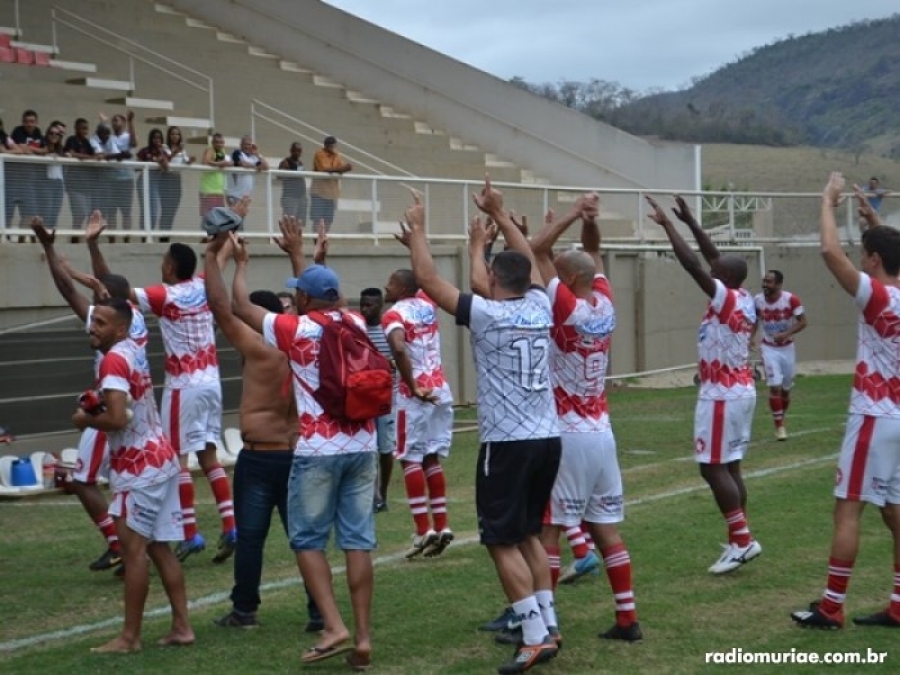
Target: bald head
(730, 270)
(575, 268)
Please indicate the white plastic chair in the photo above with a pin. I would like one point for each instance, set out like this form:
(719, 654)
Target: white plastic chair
(6, 463)
(69, 457)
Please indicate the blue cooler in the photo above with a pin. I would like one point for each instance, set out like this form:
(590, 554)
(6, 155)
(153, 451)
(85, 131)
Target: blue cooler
(22, 473)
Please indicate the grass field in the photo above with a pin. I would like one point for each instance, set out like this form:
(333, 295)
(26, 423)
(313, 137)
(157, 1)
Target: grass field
(426, 613)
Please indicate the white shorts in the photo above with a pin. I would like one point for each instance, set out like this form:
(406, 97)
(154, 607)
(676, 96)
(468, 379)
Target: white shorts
(192, 417)
(423, 428)
(154, 512)
(589, 483)
(869, 465)
(722, 429)
(780, 365)
(93, 457)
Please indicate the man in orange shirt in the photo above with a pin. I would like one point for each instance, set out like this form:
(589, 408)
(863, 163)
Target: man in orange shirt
(325, 191)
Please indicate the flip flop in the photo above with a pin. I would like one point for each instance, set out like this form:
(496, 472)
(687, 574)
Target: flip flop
(358, 663)
(315, 654)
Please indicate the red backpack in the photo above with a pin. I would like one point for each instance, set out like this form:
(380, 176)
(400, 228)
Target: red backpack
(355, 380)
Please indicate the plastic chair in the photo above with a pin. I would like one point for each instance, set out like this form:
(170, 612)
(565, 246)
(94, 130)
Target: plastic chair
(6, 463)
(69, 457)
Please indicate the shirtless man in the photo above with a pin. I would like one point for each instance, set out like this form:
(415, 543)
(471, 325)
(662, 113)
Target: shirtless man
(268, 422)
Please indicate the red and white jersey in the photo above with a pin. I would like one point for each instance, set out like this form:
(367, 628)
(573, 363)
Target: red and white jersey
(724, 345)
(186, 324)
(876, 385)
(136, 332)
(582, 333)
(140, 454)
(417, 317)
(318, 433)
(777, 316)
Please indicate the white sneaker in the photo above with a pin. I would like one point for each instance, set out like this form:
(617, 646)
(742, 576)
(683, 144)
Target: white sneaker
(421, 542)
(781, 433)
(442, 541)
(734, 556)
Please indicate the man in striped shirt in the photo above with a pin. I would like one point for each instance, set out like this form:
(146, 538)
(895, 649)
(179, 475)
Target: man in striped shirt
(371, 306)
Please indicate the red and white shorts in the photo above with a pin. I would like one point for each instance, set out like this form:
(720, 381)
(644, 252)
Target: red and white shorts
(93, 457)
(154, 511)
(192, 417)
(589, 483)
(722, 429)
(780, 365)
(423, 428)
(869, 465)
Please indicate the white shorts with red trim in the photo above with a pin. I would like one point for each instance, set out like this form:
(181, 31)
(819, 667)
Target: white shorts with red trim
(154, 512)
(722, 429)
(779, 364)
(192, 417)
(589, 483)
(93, 457)
(869, 465)
(423, 429)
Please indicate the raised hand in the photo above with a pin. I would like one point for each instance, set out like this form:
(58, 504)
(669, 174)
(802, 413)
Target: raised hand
(216, 243)
(521, 223)
(590, 206)
(404, 235)
(242, 207)
(45, 236)
(489, 200)
(492, 231)
(834, 188)
(478, 233)
(96, 224)
(291, 239)
(657, 215)
(415, 214)
(321, 251)
(683, 211)
(239, 249)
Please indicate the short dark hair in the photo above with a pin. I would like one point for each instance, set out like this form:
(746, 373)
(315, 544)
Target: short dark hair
(267, 300)
(287, 294)
(885, 241)
(512, 270)
(408, 279)
(371, 292)
(117, 285)
(121, 307)
(29, 113)
(184, 259)
(779, 277)
(81, 120)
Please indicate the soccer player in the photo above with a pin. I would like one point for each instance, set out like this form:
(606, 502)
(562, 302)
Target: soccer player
(727, 398)
(423, 409)
(192, 397)
(371, 306)
(589, 483)
(867, 470)
(93, 449)
(781, 315)
(143, 476)
(519, 455)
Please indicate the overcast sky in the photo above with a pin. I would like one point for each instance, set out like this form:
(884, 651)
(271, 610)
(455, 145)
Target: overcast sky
(641, 44)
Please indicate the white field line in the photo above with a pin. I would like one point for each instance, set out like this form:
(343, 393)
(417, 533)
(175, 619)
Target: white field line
(218, 598)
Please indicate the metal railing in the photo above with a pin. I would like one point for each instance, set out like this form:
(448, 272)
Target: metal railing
(368, 208)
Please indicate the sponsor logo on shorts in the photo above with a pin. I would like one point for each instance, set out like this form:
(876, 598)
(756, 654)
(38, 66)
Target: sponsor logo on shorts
(879, 486)
(612, 504)
(699, 446)
(838, 477)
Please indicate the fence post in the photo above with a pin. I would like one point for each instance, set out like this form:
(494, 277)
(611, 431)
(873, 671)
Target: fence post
(2, 199)
(270, 206)
(374, 209)
(145, 202)
(731, 223)
(642, 237)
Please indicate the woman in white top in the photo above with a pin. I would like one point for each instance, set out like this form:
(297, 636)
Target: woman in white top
(170, 185)
(50, 188)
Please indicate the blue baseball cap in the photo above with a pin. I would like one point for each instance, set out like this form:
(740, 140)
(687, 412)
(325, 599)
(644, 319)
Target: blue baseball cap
(319, 282)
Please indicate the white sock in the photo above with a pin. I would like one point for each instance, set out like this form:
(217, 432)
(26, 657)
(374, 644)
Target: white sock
(548, 608)
(529, 613)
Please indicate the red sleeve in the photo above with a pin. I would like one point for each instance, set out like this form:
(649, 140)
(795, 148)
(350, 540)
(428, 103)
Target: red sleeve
(286, 331)
(601, 286)
(156, 298)
(114, 365)
(795, 302)
(563, 304)
(878, 302)
(391, 320)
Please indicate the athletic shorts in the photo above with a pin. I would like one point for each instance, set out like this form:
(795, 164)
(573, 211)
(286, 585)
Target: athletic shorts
(424, 428)
(513, 483)
(209, 202)
(722, 430)
(779, 363)
(589, 483)
(192, 417)
(154, 512)
(93, 457)
(869, 465)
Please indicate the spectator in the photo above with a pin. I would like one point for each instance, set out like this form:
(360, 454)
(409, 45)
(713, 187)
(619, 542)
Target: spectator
(6, 142)
(325, 191)
(875, 193)
(170, 181)
(156, 151)
(121, 187)
(240, 184)
(212, 183)
(293, 190)
(20, 178)
(50, 187)
(288, 305)
(80, 181)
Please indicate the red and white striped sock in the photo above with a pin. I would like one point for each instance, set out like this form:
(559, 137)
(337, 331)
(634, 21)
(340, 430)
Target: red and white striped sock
(414, 478)
(738, 530)
(588, 539)
(553, 557)
(186, 497)
(107, 528)
(618, 571)
(218, 483)
(894, 607)
(785, 401)
(776, 405)
(839, 572)
(437, 495)
(577, 541)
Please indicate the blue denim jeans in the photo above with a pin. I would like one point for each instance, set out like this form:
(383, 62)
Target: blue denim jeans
(332, 491)
(260, 486)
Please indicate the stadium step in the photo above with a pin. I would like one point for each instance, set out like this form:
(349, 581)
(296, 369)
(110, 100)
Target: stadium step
(529, 178)
(291, 67)
(327, 82)
(230, 141)
(493, 161)
(197, 23)
(359, 97)
(32, 47)
(175, 121)
(388, 111)
(74, 66)
(9, 30)
(165, 9)
(261, 53)
(147, 103)
(101, 83)
(459, 144)
(425, 128)
(228, 37)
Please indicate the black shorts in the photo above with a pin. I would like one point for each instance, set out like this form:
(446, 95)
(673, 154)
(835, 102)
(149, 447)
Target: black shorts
(512, 488)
